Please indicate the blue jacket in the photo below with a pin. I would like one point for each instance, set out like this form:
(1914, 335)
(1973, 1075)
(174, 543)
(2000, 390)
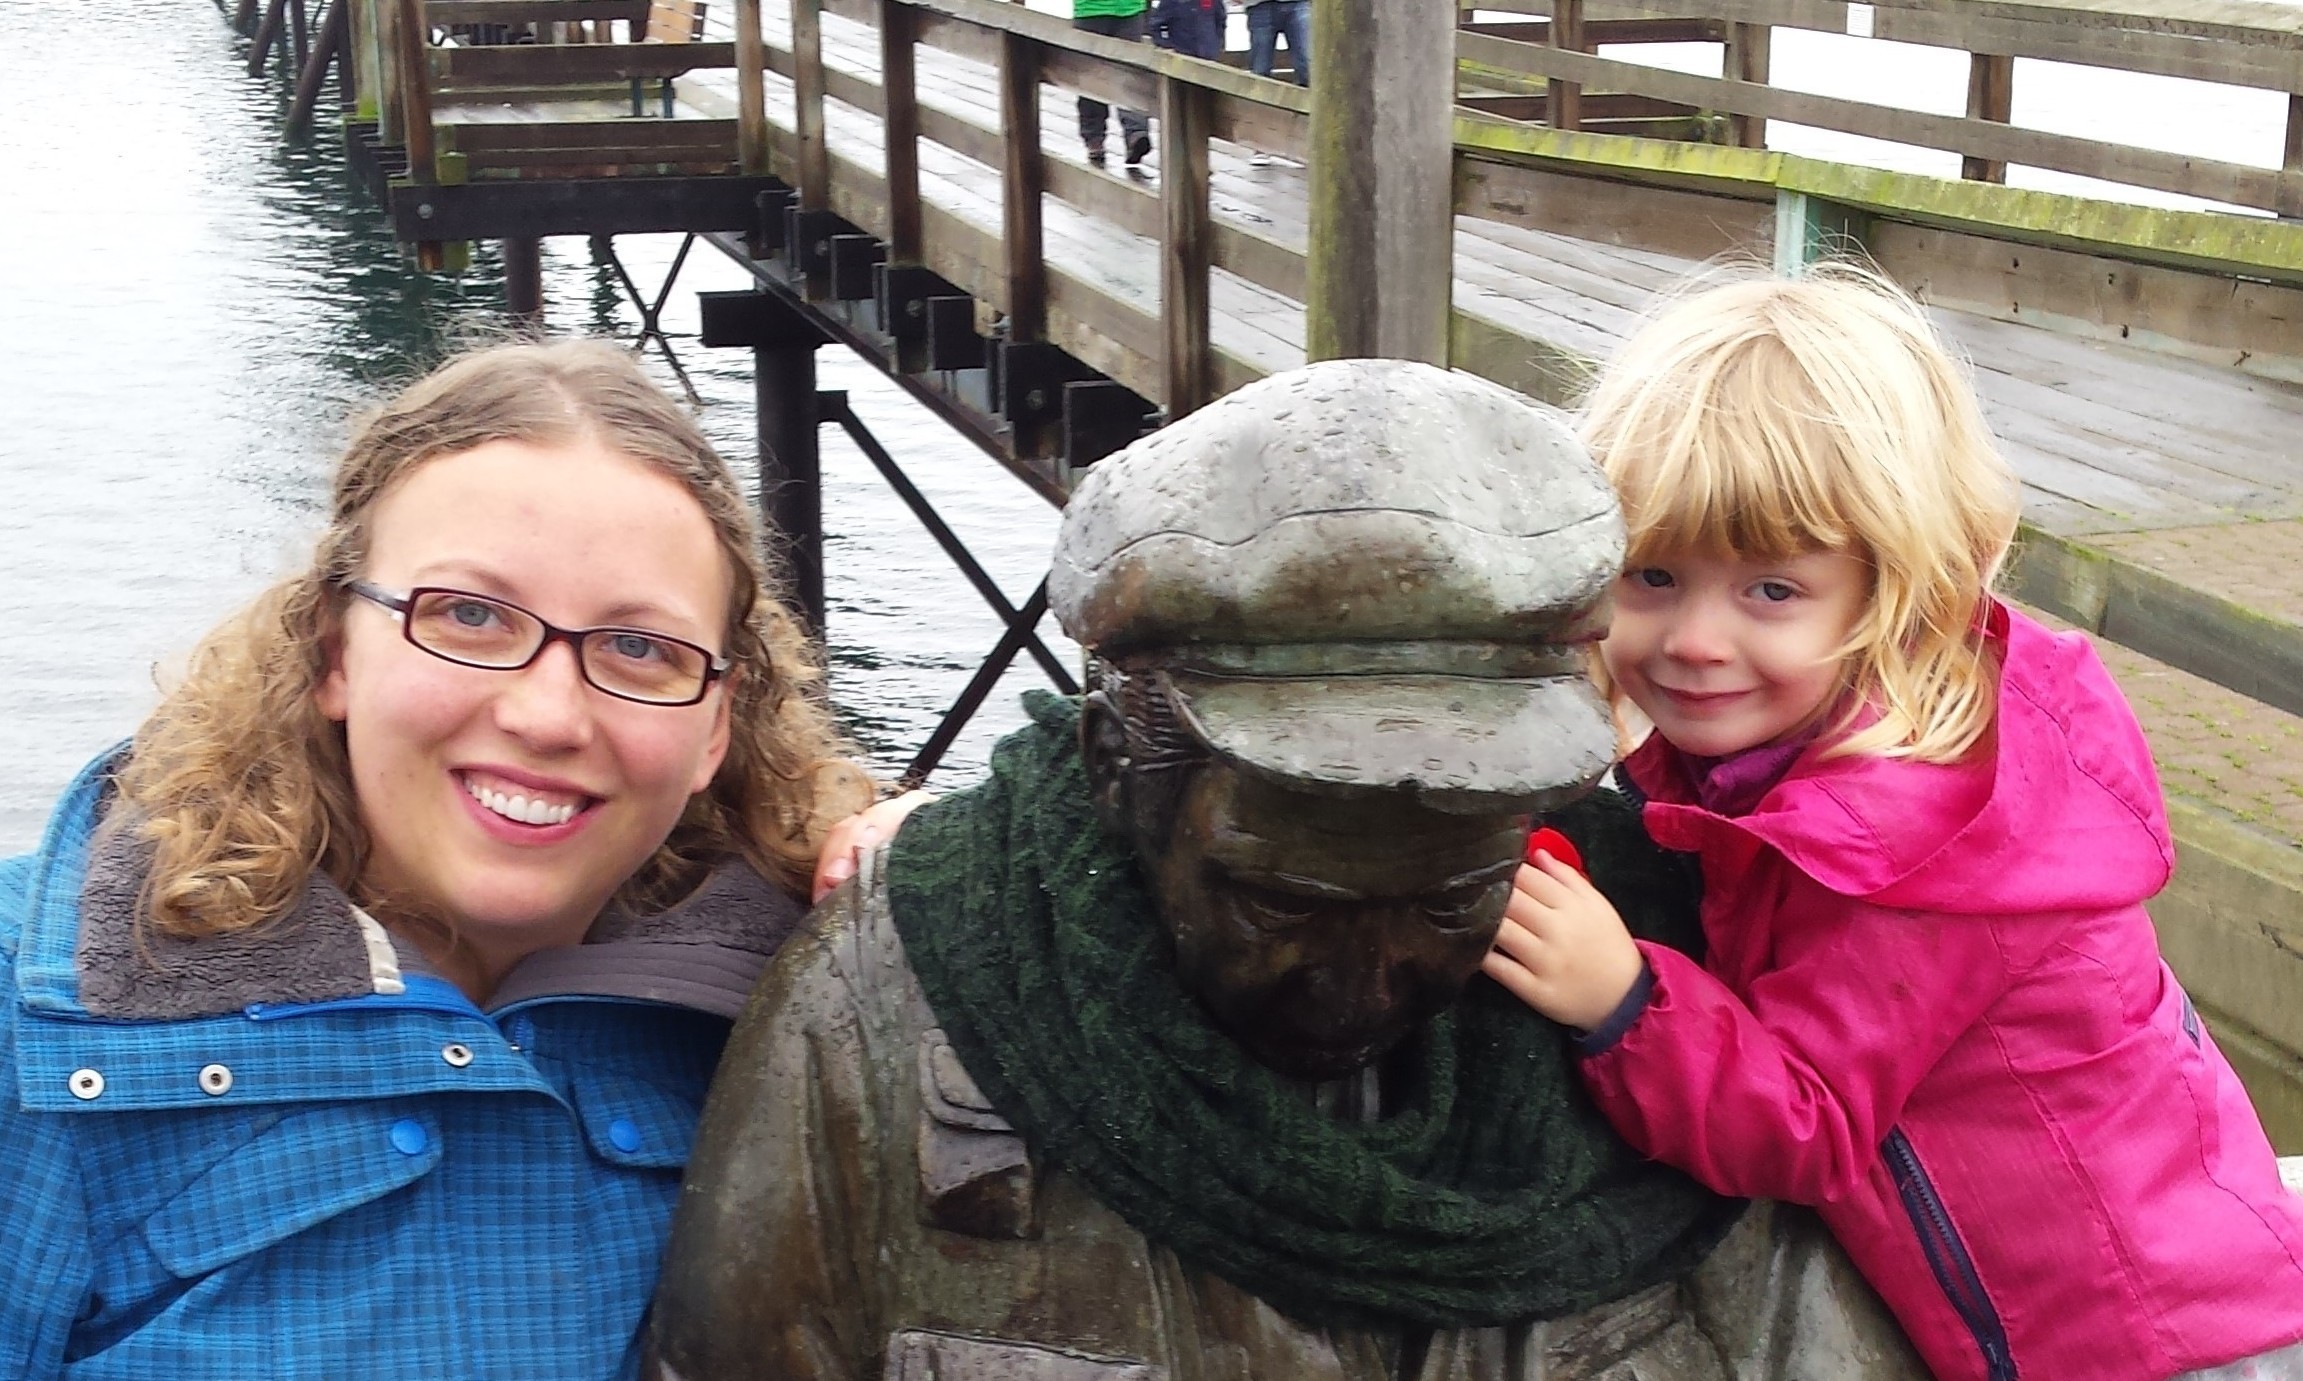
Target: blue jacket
(1194, 27)
(298, 1155)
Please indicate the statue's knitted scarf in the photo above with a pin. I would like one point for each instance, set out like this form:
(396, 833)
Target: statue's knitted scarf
(1499, 1194)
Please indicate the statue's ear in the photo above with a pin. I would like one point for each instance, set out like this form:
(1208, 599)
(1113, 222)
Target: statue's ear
(1104, 756)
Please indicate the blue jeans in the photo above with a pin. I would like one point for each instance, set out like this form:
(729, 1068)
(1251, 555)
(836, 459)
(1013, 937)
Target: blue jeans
(1266, 23)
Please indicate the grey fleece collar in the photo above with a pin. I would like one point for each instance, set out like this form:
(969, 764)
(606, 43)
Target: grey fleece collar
(703, 953)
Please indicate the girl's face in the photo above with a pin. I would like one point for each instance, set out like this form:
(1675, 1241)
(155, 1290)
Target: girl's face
(582, 537)
(1724, 654)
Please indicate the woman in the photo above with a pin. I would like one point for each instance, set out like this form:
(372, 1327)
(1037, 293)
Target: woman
(360, 1009)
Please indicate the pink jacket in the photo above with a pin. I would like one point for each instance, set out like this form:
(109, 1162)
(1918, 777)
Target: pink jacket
(1933, 1006)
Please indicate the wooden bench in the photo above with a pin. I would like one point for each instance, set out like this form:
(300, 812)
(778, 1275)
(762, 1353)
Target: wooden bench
(669, 21)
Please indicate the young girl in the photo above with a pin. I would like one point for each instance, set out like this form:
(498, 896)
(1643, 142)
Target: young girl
(1932, 1005)
(355, 1017)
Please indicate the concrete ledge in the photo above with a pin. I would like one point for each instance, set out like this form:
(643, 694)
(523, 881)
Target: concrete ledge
(2231, 926)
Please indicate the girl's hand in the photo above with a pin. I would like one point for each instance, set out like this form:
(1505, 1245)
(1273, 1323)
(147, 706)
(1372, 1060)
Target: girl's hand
(1562, 949)
(845, 842)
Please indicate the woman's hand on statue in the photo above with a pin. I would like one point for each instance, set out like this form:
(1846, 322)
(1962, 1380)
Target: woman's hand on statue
(846, 842)
(1562, 949)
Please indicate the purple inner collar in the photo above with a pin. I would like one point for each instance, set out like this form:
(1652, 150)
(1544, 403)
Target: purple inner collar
(1733, 784)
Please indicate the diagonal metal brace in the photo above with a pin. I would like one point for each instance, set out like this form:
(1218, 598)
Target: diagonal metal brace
(987, 676)
(833, 407)
(651, 314)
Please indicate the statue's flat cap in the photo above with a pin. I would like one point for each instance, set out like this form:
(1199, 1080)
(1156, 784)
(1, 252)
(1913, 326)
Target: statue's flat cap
(1363, 573)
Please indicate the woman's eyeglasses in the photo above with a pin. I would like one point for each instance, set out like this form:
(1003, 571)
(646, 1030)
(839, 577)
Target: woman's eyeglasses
(478, 631)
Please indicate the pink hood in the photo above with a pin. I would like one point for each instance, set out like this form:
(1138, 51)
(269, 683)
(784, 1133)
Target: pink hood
(2053, 819)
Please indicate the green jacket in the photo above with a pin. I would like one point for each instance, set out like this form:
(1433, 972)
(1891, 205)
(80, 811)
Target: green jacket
(1107, 9)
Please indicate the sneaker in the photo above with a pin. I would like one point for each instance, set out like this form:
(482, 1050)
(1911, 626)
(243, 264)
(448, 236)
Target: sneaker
(1096, 154)
(1139, 149)
(1259, 159)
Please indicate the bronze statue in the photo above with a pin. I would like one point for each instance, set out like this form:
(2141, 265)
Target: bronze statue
(1154, 1057)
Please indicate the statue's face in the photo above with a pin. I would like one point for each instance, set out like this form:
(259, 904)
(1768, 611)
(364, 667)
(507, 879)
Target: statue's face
(1321, 930)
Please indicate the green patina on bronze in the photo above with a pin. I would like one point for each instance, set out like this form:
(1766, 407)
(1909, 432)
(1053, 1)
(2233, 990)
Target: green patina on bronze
(1498, 1193)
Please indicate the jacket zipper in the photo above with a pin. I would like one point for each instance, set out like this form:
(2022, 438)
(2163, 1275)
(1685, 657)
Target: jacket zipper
(1947, 1257)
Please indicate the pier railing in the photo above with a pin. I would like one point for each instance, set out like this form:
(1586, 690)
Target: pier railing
(2243, 43)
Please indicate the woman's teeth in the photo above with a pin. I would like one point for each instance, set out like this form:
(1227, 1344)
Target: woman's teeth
(520, 808)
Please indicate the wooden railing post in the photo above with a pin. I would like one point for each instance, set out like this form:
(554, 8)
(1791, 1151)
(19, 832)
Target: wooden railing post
(367, 71)
(1746, 59)
(2292, 163)
(390, 125)
(1564, 101)
(808, 94)
(1381, 266)
(414, 40)
(1186, 116)
(1023, 178)
(899, 34)
(752, 151)
(1990, 96)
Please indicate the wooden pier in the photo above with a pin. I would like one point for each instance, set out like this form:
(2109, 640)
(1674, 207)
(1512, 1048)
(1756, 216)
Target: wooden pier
(906, 177)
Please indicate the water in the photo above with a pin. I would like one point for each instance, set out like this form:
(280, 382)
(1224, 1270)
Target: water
(189, 311)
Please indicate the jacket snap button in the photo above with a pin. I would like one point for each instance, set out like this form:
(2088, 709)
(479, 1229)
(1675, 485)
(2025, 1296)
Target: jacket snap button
(408, 1137)
(624, 1135)
(456, 1055)
(86, 1084)
(215, 1080)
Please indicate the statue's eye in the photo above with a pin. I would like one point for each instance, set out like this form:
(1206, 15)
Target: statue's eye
(1277, 910)
(1465, 907)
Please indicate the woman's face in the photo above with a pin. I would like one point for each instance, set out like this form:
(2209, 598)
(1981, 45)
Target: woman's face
(582, 537)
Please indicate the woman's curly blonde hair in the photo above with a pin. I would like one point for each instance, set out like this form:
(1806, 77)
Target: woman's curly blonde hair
(242, 786)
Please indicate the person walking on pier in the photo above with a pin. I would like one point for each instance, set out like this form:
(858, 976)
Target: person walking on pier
(1931, 1003)
(1113, 19)
(1268, 21)
(356, 1015)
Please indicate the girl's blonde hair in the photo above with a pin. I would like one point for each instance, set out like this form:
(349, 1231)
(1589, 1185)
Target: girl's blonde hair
(1775, 418)
(242, 785)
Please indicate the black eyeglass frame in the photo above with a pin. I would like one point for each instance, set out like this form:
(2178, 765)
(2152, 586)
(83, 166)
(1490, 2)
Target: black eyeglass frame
(715, 667)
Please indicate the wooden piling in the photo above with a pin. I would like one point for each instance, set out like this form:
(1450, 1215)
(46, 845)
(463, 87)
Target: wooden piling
(244, 16)
(412, 42)
(326, 48)
(267, 34)
(524, 282)
(1382, 241)
(300, 34)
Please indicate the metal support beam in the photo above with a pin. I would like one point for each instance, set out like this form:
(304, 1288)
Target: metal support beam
(1382, 179)
(833, 407)
(524, 282)
(978, 687)
(783, 345)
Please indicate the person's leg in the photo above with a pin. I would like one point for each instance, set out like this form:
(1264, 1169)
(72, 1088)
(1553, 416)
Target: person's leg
(1262, 37)
(1135, 126)
(1295, 19)
(1095, 116)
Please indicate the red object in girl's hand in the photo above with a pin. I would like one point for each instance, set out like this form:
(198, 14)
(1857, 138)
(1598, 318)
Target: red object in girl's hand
(1552, 842)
